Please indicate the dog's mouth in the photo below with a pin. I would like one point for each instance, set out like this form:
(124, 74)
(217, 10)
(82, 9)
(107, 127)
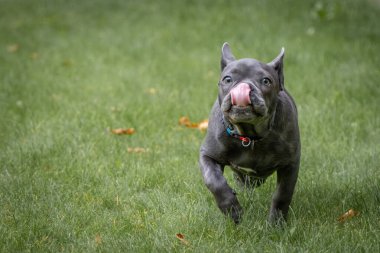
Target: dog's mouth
(240, 114)
(241, 105)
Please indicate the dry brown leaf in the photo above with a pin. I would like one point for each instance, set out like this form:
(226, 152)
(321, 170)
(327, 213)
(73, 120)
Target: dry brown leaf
(98, 240)
(13, 48)
(137, 150)
(121, 131)
(203, 125)
(182, 239)
(348, 215)
(185, 121)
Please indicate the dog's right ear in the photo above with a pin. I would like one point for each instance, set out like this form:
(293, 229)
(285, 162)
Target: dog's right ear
(227, 56)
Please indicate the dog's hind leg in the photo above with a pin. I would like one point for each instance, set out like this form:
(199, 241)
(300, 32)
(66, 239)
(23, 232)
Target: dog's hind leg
(286, 181)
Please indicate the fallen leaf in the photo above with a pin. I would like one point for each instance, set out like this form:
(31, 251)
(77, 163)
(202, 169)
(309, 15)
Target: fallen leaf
(348, 215)
(185, 121)
(182, 239)
(98, 240)
(137, 150)
(120, 131)
(203, 125)
(13, 48)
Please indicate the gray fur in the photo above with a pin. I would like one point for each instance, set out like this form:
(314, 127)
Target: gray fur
(272, 117)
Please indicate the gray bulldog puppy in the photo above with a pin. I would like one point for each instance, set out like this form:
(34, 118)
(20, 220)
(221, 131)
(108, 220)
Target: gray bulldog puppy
(253, 128)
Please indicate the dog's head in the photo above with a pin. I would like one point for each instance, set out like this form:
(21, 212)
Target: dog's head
(248, 89)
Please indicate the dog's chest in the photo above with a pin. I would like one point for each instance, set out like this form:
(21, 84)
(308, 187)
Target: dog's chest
(254, 162)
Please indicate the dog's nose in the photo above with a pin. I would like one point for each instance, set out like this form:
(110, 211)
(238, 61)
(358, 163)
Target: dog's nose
(240, 95)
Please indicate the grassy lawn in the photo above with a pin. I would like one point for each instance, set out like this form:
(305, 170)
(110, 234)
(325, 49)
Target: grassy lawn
(72, 70)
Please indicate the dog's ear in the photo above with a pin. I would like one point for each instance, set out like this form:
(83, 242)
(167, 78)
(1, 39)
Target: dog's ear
(278, 66)
(227, 56)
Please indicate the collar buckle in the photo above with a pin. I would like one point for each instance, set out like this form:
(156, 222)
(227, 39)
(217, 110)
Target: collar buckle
(246, 141)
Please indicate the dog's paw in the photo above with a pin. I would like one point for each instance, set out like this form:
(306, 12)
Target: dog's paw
(236, 214)
(276, 218)
(231, 208)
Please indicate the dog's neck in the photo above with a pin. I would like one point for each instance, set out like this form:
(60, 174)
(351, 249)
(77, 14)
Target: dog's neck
(259, 130)
(254, 132)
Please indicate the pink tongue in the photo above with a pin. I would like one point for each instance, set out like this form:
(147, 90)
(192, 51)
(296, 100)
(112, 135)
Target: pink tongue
(240, 95)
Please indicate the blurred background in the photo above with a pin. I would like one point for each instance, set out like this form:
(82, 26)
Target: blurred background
(70, 71)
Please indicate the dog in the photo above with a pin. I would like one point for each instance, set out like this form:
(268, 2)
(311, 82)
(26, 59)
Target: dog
(253, 128)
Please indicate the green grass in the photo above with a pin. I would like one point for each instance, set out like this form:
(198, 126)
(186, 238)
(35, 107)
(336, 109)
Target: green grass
(82, 67)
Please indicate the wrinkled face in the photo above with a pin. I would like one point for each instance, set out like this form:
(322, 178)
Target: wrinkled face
(248, 90)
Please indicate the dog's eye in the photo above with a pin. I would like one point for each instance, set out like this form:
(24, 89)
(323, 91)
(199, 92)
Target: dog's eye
(227, 80)
(266, 81)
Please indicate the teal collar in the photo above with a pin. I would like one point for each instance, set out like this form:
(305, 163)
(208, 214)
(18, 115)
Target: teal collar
(246, 141)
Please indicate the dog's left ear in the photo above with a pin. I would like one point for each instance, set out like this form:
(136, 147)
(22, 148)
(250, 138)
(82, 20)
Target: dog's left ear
(278, 66)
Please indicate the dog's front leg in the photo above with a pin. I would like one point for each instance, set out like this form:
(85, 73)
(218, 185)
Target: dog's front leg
(286, 181)
(225, 197)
